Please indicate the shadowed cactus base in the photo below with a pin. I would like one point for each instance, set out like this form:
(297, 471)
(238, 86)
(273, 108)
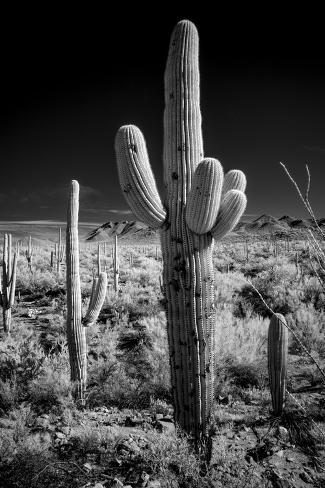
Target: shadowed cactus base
(199, 205)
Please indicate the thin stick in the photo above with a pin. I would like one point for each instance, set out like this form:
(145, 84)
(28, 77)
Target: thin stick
(304, 200)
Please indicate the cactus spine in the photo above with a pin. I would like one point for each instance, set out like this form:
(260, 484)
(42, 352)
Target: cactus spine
(277, 361)
(8, 282)
(199, 205)
(75, 324)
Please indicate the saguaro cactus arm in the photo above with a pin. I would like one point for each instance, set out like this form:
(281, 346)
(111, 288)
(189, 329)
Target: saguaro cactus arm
(97, 298)
(231, 209)
(204, 197)
(234, 179)
(136, 178)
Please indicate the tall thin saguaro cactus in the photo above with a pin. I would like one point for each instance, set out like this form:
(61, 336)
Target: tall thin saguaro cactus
(75, 323)
(200, 205)
(277, 361)
(8, 282)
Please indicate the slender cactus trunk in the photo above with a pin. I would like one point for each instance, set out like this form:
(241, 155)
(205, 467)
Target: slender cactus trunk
(75, 331)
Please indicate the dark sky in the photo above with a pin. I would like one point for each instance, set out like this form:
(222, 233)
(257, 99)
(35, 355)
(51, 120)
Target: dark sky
(71, 78)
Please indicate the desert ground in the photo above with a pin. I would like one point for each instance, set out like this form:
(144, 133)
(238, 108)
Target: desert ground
(125, 434)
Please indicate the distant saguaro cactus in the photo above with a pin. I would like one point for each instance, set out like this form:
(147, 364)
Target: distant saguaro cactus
(59, 253)
(29, 253)
(75, 324)
(277, 361)
(200, 205)
(115, 264)
(8, 282)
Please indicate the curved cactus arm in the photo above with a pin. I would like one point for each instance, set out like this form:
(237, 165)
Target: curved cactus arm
(234, 179)
(13, 281)
(93, 292)
(277, 361)
(231, 209)
(136, 177)
(96, 301)
(204, 197)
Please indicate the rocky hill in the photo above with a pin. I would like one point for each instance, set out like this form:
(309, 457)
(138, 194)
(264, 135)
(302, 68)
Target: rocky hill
(263, 225)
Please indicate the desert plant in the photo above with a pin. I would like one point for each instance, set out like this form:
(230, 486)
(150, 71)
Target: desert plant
(75, 323)
(277, 361)
(59, 253)
(116, 264)
(29, 253)
(8, 282)
(201, 204)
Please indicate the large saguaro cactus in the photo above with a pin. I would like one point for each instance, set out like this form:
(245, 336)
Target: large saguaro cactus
(75, 323)
(277, 361)
(200, 205)
(8, 282)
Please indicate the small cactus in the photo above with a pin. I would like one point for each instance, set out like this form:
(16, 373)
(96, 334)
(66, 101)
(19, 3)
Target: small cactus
(29, 254)
(277, 361)
(59, 253)
(75, 324)
(8, 282)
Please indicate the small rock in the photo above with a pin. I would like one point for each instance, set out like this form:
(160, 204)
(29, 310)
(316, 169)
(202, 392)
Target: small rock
(154, 484)
(279, 453)
(290, 459)
(98, 485)
(88, 466)
(282, 433)
(117, 483)
(250, 460)
(143, 479)
(65, 430)
(305, 477)
(60, 435)
(41, 423)
(164, 426)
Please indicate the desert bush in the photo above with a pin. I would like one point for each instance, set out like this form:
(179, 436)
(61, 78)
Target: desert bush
(20, 363)
(170, 458)
(52, 391)
(39, 281)
(244, 339)
(278, 286)
(309, 323)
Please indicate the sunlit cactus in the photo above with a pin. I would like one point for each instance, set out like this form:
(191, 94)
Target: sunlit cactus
(75, 324)
(7, 282)
(200, 204)
(277, 361)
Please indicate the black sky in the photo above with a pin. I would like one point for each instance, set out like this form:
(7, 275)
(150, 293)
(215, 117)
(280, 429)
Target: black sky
(70, 78)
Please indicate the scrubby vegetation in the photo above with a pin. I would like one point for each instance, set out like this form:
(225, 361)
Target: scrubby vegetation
(125, 433)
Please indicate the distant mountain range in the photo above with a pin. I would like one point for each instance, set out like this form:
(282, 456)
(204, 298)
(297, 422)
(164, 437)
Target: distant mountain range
(285, 225)
(263, 225)
(135, 231)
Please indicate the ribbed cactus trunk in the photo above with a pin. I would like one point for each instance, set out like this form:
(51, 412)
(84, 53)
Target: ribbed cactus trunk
(277, 361)
(8, 282)
(187, 257)
(200, 204)
(116, 264)
(75, 331)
